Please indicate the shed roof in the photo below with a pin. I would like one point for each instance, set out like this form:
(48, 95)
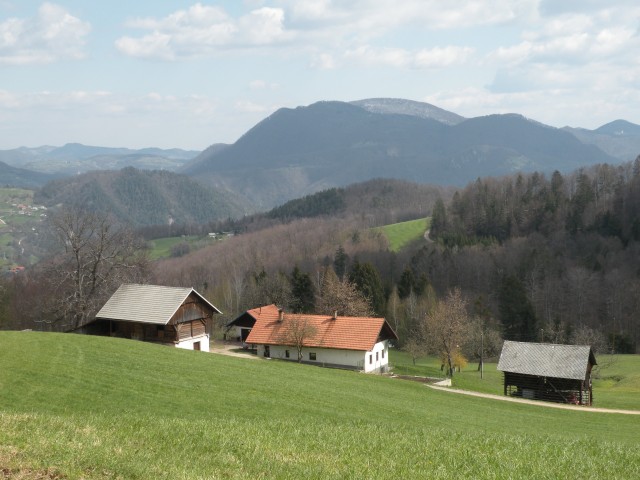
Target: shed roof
(348, 333)
(153, 304)
(546, 359)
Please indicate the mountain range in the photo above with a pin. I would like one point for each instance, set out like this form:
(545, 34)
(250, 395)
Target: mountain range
(299, 151)
(74, 158)
(295, 152)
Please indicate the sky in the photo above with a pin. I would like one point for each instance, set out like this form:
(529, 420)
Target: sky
(186, 74)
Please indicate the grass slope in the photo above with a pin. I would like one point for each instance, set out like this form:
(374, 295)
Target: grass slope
(90, 407)
(162, 247)
(401, 234)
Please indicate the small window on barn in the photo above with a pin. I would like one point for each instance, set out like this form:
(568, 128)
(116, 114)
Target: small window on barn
(161, 328)
(286, 353)
(312, 356)
(371, 358)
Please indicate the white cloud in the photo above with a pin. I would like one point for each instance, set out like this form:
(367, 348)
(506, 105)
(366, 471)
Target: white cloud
(312, 25)
(372, 17)
(442, 57)
(262, 85)
(52, 35)
(204, 30)
(247, 106)
(437, 57)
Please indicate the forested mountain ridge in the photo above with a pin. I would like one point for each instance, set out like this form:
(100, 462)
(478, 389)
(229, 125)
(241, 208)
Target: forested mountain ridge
(295, 152)
(20, 177)
(142, 197)
(566, 246)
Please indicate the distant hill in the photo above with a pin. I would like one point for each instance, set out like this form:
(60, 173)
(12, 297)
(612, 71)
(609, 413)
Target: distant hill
(143, 197)
(74, 158)
(20, 177)
(295, 152)
(620, 138)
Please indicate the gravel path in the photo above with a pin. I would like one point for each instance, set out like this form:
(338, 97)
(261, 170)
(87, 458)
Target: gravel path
(228, 349)
(535, 402)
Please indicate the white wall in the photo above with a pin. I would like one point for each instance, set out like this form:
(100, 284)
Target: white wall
(332, 356)
(188, 344)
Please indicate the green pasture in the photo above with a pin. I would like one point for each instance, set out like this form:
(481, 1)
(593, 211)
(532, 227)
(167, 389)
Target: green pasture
(90, 407)
(161, 247)
(616, 378)
(401, 234)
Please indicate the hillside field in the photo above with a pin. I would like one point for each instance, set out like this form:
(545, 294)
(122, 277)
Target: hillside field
(401, 234)
(163, 247)
(76, 406)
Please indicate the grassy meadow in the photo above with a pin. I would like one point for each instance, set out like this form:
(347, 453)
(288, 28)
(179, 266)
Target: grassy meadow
(90, 407)
(401, 234)
(162, 247)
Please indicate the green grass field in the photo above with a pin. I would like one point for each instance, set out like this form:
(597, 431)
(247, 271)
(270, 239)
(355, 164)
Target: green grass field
(90, 407)
(161, 247)
(401, 234)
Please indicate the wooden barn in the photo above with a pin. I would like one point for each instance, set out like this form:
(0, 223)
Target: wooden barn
(173, 316)
(550, 372)
(239, 328)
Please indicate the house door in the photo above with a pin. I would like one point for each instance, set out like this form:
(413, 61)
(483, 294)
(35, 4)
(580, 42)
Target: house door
(196, 346)
(267, 353)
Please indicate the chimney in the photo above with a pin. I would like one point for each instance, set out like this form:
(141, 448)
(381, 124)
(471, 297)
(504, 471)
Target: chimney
(335, 315)
(280, 314)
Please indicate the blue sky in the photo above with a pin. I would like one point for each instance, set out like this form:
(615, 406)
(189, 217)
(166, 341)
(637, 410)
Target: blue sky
(189, 74)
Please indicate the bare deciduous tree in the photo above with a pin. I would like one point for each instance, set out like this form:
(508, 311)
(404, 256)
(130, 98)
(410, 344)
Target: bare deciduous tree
(342, 296)
(446, 328)
(296, 329)
(97, 256)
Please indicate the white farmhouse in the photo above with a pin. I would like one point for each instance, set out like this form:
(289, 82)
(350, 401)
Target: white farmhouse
(359, 343)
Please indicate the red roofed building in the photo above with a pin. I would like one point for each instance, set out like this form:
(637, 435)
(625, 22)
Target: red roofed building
(360, 343)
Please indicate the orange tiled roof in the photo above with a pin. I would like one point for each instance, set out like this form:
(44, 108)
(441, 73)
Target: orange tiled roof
(349, 333)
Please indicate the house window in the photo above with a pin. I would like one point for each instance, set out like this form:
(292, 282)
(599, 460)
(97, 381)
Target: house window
(286, 353)
(312, 356)
(370, 358)
(382, 353)
(376, 356)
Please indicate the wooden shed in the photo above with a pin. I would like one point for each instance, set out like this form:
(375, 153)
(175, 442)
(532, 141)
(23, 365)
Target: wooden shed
(550, 372)
(169, 315)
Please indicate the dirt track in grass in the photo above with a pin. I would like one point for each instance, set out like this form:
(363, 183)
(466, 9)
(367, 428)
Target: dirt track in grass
(536, 402)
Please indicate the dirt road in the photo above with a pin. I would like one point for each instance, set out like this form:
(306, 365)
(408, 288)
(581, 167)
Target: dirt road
(535, 402)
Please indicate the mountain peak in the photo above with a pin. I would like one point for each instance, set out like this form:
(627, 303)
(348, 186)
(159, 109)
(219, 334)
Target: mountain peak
(401, 106)
(619, 128)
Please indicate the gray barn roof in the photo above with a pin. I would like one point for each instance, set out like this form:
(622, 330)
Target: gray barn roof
(546, 359)
(146, 303)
